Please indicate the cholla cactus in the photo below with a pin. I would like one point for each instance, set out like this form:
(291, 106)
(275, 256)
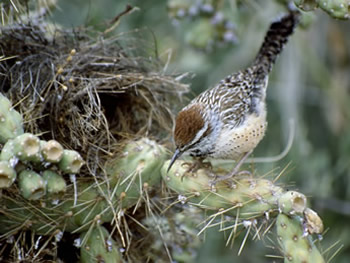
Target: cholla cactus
(296, 246)
(249, 200)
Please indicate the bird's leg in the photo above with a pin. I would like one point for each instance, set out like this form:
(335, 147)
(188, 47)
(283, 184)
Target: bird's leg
(234, 171)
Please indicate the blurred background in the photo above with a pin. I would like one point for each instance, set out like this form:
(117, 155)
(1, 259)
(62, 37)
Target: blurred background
(310, 84)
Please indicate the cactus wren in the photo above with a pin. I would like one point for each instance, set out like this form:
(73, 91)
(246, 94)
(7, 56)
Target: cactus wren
(229, 120)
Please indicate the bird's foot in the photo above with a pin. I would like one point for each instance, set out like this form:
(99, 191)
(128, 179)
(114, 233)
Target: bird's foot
(197, 164)
(234, 172)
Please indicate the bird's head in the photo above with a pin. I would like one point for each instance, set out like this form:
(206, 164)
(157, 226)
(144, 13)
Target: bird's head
(191, 132)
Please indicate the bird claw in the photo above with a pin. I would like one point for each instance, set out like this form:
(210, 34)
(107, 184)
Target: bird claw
(196, 165)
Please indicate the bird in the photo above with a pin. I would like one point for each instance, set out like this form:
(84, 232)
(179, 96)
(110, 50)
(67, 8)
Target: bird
(229, 120)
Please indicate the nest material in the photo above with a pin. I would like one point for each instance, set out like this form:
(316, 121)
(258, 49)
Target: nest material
(86, 90)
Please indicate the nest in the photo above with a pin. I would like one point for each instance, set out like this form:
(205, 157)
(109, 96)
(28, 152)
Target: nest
(87, 90)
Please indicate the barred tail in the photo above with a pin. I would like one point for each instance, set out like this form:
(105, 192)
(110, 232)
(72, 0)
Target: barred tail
(274, 41)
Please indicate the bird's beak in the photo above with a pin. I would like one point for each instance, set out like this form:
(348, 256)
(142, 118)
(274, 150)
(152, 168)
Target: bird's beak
(176, 155)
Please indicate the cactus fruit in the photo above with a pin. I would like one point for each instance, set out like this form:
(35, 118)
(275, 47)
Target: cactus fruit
(55, 184)
(292, 202)
(11, 122)
(336, 8)
(71, 162)
(52, 151)
(27, 147)
(7, 174)
(31, 185)
(296, 246)
(313, 222)
(98, 246)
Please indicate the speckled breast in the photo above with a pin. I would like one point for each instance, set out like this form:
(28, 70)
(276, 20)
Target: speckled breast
(232, 143)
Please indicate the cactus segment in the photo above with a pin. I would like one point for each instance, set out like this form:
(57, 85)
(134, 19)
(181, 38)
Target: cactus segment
(137, 168)
(52, 151)
(11, 122)
(27, 147)
(98, 246)
(31, 185)
(296, 246)
(7, 174)
(71, 162)
(55, 184)
(253, 196)
(336, 8)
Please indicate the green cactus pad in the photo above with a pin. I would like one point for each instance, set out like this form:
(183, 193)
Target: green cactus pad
(138, 167)
(336, 8)
(99, 246)
(297, 246)
(27, 147)
(71, 162)
(11, 122)
(52, 151)
(7, 174)
(31, 185)
(55, 184)
(253, 196)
